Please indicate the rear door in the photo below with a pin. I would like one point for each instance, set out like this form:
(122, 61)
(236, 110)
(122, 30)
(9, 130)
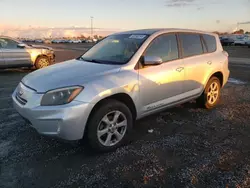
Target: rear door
(13, 55)
(196, 64)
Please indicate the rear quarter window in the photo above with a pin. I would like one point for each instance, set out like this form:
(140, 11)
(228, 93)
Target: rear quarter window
(210, 43)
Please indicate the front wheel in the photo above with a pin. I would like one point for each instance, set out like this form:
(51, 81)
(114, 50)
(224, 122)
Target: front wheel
(109, 126)
(42, 62)
(211, 95)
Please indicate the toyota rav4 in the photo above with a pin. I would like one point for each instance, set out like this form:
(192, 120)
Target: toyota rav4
(123, 78)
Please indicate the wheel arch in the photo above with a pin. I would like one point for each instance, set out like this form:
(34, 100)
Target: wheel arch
(122, 97)
(219, 75)
(39, 56)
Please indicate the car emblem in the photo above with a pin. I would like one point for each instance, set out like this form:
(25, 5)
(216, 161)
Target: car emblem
(20, 92)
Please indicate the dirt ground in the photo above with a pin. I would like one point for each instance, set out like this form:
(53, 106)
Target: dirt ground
(189, 146)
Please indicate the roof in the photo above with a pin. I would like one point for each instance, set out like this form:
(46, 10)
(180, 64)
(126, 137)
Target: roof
(152, 31)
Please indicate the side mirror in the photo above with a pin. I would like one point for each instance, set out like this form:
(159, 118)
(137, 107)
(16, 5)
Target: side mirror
(21, 45)
(152, 60)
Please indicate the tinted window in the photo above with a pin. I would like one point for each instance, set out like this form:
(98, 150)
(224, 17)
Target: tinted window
(191, 44)
(8, 44)
(210, 42)
(165, 47)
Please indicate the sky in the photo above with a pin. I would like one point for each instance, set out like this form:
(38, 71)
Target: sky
(22, 16)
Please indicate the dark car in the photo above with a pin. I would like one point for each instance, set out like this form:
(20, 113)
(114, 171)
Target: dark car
(226, 41)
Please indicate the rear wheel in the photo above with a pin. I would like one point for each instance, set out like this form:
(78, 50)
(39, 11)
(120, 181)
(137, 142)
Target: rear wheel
(109, 126)
(211, 95)
(42, 62)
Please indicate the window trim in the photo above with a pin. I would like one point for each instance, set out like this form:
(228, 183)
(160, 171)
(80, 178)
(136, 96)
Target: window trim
(203, 45)
(216, 47)
(172, 33)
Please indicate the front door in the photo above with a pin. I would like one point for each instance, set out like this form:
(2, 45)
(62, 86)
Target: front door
(161, 85)
(13, 55)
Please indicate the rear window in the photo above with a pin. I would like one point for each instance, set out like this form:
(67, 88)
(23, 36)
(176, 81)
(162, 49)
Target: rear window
(191, 44)
(210, 42)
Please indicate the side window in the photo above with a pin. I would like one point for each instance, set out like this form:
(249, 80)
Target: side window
(165, 47)
(210, 42)
(191, 44)
(8, 43)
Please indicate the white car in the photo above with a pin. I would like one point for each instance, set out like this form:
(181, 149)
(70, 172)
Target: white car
(240, 41)
(76, 41)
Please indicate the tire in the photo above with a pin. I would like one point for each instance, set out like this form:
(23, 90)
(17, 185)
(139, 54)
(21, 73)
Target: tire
(42, 62)
(96, 123)
(205, 99)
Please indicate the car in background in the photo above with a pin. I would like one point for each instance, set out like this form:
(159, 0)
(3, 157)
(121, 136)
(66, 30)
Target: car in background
(76, 41)
(240, 42)
(89, 41)
(15, 54)
(124, 77)
(226, 41)
(39, 41)
(56, 41)
(248, 43)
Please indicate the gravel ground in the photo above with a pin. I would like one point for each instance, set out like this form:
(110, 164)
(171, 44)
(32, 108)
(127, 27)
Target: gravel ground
(188, 147)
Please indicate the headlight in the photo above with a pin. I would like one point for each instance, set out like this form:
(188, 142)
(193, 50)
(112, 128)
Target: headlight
(60, 96)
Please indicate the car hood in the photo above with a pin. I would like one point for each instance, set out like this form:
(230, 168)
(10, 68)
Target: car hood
(69, 73)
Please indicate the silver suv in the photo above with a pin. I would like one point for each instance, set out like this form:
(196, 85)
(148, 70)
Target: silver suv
(123, 78)
(15, 54)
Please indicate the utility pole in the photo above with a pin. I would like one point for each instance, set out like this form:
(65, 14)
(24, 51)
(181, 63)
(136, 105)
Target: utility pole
(91, 26)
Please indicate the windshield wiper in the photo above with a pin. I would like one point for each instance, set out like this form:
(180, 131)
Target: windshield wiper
(100, 61)
(90, 60)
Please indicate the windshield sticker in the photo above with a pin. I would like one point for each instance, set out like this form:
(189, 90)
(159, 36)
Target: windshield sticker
(115, 41)
(137, 36)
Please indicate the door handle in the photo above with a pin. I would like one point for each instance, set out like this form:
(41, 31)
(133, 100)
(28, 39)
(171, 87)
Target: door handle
(179, 69)
(209, 62)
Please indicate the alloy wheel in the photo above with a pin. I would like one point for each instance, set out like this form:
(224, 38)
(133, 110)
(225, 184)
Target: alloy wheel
(112, 128)
(43, 62)
(213, 93)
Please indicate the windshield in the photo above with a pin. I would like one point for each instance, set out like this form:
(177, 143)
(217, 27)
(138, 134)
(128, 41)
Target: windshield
(115, 49)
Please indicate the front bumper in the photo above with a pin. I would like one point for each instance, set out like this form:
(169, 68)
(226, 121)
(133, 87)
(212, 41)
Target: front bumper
(66, 121)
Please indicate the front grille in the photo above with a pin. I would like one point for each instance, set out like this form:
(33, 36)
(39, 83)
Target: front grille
(20, 100)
